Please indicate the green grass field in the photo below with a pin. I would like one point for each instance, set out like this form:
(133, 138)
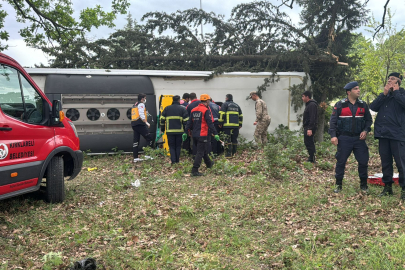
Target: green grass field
(265, 209)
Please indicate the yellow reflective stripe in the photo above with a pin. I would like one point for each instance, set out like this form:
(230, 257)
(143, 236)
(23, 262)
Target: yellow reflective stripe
(241, 115)
(174, 117)
(174, 130)
(231, 125)
(221, 116)
(185, 119)
(162, 117)
(231, 112)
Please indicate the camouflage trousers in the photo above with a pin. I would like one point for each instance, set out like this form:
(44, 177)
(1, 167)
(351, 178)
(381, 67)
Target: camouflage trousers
(261, 131)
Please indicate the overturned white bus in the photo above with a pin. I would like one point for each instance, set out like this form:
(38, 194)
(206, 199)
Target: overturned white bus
(99, 101)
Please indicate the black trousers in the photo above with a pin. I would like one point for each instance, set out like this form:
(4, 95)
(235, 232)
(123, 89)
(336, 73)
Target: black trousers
(187, 145)
(138, 131)
(174, 146)
(202, 153)
(231, 141)
(347, 145)
(215, 145)
(310, 143)
(392, 148)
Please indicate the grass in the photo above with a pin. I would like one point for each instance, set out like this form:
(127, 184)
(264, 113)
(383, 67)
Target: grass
(247, 213)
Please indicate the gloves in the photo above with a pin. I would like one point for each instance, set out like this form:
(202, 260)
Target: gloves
(184, 137)
(147, 124)
(216, 137)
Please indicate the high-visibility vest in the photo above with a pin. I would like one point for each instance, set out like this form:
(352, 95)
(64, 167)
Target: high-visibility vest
(135, 113)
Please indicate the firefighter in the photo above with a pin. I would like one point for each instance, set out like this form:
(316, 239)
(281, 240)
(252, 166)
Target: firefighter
(230, 120)
(173, 119)
(263, 119)
(389, 129)
(349, 124)
(199, 123)
(140, 125)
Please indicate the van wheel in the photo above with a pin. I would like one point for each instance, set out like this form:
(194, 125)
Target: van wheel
(55, 182)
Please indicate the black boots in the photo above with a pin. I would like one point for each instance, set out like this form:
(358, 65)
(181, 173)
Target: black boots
(196, 174)
(234, 147)
(311, 158)
(363, 186)
(387, 191)
(338, 189)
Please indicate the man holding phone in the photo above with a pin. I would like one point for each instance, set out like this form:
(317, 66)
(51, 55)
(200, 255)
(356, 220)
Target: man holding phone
(389, 129)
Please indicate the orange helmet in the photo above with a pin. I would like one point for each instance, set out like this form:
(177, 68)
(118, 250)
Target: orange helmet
(204, 97)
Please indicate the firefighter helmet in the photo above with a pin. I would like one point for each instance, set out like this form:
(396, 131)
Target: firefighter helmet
(204, 97)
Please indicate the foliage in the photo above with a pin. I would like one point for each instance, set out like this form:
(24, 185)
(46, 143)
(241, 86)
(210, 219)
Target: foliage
(258, 37)
(379, 57)
(237, 216)
(53, 21)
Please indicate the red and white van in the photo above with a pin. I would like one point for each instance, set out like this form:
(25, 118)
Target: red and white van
(38, 145)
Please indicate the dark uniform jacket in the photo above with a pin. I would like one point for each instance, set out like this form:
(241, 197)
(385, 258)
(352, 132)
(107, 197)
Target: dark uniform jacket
(215, 111)
(193, 103)
(230, 115)
(173, 119)
(310, 115)
(390, 120)
(200, 122)
(350, 119)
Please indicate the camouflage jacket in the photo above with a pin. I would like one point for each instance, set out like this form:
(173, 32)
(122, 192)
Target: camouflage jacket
(261, 111)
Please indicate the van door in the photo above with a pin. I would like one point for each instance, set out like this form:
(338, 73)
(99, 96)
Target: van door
(26, 138)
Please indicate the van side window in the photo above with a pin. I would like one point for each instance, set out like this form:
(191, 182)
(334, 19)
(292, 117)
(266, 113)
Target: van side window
(19, 101)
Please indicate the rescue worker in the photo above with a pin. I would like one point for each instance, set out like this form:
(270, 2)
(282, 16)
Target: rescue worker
(186, 98)
(309, 123)
(349, 124)
(263, 119)
(187, 142)
(199, 123)
(389, 129)
(230, 120)
(215, 146)
(173, 120)
(140, 125)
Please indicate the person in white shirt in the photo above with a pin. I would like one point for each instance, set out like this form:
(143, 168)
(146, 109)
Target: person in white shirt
(140, 125)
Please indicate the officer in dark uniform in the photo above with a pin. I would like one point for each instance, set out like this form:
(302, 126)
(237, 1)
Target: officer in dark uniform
(173, 119)
(389, 129)
(230, 119)
(349, 124)
(215, 146)
(199, 123)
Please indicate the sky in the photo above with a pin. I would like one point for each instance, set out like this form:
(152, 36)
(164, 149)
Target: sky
(28, 56)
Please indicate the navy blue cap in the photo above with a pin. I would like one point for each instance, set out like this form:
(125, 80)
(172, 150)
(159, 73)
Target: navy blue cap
(351, 85)
(396, 74)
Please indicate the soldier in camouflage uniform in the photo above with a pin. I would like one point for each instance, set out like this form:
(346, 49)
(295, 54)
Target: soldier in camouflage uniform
(262, 119)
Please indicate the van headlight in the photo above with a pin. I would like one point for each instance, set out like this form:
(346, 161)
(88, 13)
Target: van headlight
(74, 128)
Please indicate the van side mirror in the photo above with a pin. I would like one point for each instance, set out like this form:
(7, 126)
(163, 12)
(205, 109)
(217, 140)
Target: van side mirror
(57, 115)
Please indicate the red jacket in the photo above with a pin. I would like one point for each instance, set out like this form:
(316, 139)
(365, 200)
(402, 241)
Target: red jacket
(200, 121)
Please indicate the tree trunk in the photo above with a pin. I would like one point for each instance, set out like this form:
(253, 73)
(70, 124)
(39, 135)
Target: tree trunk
(321, 118)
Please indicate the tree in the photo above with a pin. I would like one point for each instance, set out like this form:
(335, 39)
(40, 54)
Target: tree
(52, 21)
(379, 57)
(257, 37)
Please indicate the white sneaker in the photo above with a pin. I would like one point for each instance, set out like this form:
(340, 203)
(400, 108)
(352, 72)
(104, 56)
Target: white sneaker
(137, 160)
(148, 157)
